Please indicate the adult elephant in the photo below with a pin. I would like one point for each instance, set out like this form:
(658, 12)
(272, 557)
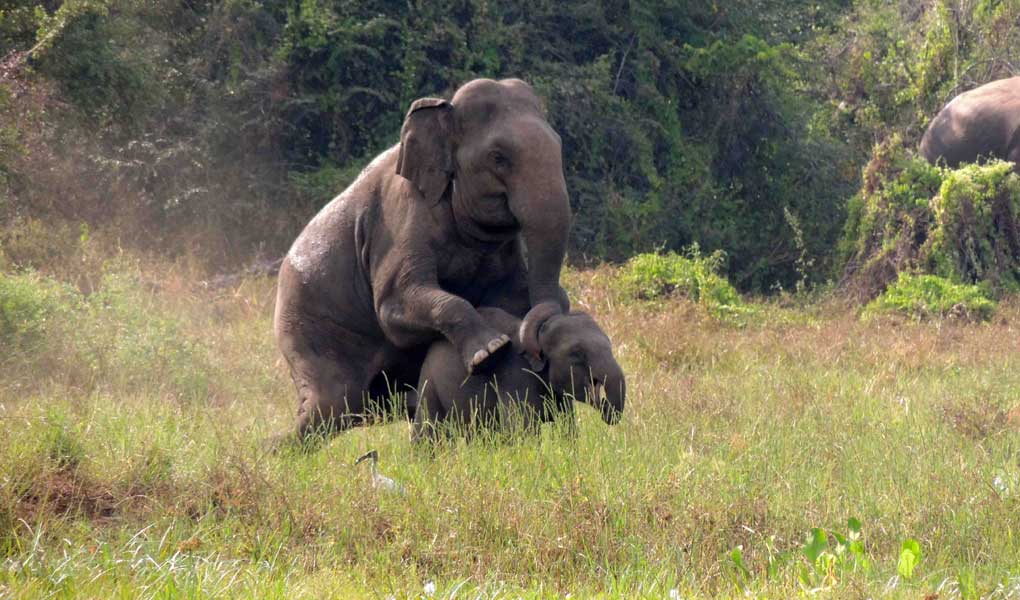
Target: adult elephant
(981, 123)
(430, 229)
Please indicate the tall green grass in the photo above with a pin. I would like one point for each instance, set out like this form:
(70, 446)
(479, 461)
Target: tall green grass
(135, 466)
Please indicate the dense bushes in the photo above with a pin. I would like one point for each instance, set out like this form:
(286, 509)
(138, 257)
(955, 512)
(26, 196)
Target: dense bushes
(740, 126)
(889, 66)
(889, 219)
(681, 123)
(902, 62)
(975, 238)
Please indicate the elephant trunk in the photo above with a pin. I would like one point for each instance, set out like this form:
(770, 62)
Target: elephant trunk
(545, 226)
(615, 385)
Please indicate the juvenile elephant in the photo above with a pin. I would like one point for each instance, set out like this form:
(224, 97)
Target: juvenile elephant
(433, 227)
(579, 363)
(983, 122)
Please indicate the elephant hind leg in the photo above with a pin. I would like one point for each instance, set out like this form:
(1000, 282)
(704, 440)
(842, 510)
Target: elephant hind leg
(331, 396)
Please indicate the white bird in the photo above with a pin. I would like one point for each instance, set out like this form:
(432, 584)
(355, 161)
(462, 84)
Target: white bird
(380, 481)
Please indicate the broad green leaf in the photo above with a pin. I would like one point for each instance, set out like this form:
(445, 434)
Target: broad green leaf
(853, 525)
(816, 544)
(857, 548)
(910, 556)
(737, 557)
(841, 543)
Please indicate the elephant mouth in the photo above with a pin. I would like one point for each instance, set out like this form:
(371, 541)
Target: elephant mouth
(486, 228)
(490, 232)
(493, 216)
(500, 229)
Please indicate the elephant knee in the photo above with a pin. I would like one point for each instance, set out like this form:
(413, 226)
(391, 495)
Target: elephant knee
(397, 326)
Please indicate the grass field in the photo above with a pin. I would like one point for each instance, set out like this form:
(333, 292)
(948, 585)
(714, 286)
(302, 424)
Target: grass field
(131, 462)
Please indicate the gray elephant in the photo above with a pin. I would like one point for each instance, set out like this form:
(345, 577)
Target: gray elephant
(578, 363)
(981, 123)
(433, 227)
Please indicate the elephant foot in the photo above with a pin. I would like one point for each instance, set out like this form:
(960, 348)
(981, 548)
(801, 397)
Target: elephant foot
(491, 348)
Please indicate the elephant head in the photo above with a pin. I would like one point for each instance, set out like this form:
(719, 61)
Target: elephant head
(581, 363)
(492, 154)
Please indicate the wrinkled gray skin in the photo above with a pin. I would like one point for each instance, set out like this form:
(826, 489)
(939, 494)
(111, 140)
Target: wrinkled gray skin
(579, 364)
(981, 123)
(430, 229)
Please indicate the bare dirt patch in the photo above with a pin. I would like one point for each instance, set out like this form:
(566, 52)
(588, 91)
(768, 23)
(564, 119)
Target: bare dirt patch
(66, 492)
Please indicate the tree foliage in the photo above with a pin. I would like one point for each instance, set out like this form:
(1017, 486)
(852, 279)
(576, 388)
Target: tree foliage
(739, 126)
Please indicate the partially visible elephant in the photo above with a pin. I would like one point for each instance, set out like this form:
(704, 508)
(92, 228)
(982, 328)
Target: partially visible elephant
(469, 209)
(981, 123)
(578, 364)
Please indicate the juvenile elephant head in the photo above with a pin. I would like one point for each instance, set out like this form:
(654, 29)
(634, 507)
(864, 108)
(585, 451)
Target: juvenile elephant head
(581, 363)
(491, 152)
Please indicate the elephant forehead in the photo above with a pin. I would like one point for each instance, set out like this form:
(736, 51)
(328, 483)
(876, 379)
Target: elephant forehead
(483, 99)
(577, 329)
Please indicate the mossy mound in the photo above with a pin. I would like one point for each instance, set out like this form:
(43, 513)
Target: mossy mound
(910, 216)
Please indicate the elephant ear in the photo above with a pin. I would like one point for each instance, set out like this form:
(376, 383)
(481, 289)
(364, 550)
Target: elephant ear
(426, 155)
(530, 327)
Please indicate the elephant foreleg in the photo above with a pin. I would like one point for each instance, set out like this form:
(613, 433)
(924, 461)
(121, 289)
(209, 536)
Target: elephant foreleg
(407, 318)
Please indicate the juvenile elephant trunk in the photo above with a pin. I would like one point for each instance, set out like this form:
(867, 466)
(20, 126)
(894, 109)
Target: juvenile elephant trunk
(545, 226)
(616, 396)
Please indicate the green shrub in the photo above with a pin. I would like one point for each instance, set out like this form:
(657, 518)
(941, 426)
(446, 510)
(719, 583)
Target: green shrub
(975, 236)
(31, 308)
(930, 296)
(888, 219)
(692, 275)
(115, 338)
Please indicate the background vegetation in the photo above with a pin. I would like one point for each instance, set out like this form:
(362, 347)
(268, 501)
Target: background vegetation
(741, 126)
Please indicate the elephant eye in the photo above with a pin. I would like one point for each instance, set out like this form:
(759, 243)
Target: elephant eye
(499, 159)
(577, 356)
